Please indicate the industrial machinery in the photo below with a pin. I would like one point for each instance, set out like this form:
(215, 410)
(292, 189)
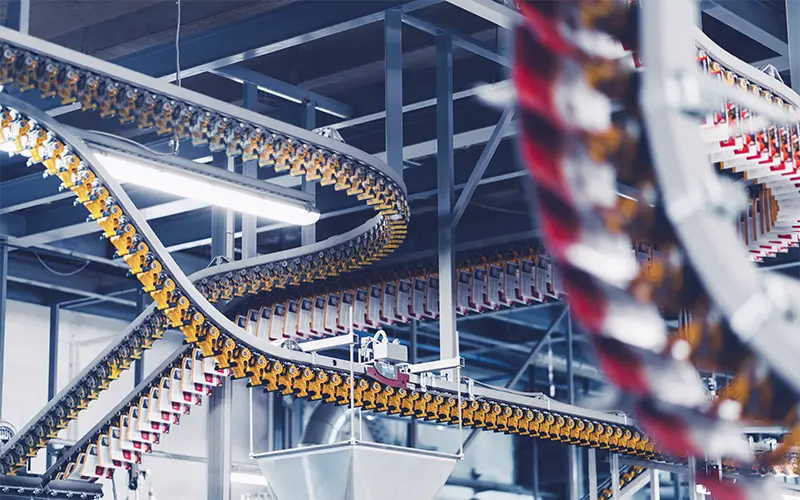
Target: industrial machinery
(590, 118)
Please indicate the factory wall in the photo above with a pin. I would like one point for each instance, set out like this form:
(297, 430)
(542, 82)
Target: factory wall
(83, 336)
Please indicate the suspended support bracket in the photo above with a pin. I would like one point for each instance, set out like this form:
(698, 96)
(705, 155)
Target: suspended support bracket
(328, 343)
(440, 364)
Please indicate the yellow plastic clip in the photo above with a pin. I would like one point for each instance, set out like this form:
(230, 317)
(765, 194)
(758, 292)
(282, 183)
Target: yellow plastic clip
(97, 208)
(177, 313)
(368, 188)
(300, 383)
(123, 240)
(257, 370)
(149, 278)
(88, 94)
(53, 151)
(286, 381)
(193, 328)
(207, 340)
(284, 155)
(223, 351)
(240, 361)
(68, 87)
(331, 389)
(36, 140)
(266, 154)
(67, 168)
(83, 185)
(272, 375)
(163, 294)
(138, 258)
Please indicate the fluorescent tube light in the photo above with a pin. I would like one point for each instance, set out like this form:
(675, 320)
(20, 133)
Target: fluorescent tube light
(207, 190)
(251, 479)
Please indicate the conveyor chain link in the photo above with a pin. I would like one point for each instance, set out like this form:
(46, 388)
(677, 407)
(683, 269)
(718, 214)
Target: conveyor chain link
(173, 391)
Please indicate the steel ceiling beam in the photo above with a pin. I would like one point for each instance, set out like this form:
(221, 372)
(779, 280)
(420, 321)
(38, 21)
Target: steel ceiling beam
(490, 10)
(294, 25)
(285, 90)
(427, 103)
(750, 19)
(29, 191)
(64, 232)
(781, 63)
(466, 42)
(460, 141)
(85, 283)
(793, 33)
(17, 15)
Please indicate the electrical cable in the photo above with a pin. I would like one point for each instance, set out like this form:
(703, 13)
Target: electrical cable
(178, 46)
(59, 273)
(501, 210)
(176, 142)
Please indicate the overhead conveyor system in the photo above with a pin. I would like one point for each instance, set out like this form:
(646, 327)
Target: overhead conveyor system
(237, 317)
(179, 304)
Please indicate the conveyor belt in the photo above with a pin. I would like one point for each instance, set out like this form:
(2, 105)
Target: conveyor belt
(184, 307)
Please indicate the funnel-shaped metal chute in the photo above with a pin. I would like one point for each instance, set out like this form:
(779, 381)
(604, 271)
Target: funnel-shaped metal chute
(355, 471)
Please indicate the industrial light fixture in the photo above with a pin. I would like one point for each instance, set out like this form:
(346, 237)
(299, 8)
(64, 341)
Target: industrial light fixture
(200, 188)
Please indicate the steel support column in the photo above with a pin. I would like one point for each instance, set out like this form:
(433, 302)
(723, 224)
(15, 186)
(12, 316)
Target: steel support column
(249, 224)
(220, 404)
(793, 32)
(535, 450)
(52, 363)
(308, 120)
(3, 307)
(138, 368)
(52, 366)
(411, 439)
(535, 487)
(249, 169)
(655, 485)
(448, 337)
(292, 422)
(592, 458)
(18, 15)
(393, 54)
(573, 470)
(614, 476)
(676, 486)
